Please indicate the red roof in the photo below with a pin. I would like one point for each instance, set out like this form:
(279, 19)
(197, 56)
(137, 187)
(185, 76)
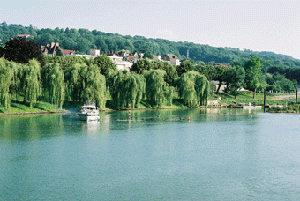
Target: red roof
(67, 52)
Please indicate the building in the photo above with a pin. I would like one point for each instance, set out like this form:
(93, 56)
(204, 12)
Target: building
(67, 52)
(23, 35)
(95, 52)
(50, 49)
(121, 64)
(171, 58)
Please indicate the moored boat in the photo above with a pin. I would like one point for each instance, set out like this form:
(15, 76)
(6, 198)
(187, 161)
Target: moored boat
(89, 112)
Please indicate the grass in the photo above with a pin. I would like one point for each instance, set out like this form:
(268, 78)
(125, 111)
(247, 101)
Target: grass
(18, 107)
(293, 108)
(246, 97)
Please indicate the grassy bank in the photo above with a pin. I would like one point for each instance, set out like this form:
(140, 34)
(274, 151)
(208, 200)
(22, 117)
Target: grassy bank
(243, 98)
(293, 108)
(18, 107)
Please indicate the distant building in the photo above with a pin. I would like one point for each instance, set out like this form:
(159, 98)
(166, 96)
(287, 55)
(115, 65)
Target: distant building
(67, 52)
(121, 64)
(23, 35)
(50, 49)
(171, 58)
(156, 58)
(95, 52)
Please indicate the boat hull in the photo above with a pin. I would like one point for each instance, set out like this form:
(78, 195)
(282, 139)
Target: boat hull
(85, 117)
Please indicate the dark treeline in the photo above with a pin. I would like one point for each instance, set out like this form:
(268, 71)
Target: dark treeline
(82, 40)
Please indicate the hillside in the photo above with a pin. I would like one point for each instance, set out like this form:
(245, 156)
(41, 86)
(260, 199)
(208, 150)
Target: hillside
(82, 40)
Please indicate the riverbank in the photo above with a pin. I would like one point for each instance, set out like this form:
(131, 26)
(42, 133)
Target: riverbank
(224, 101)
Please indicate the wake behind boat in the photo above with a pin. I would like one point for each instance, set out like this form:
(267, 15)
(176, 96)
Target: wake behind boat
(89, 112)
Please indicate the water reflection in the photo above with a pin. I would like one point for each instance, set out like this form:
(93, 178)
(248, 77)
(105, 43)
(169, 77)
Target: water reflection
(34, 127)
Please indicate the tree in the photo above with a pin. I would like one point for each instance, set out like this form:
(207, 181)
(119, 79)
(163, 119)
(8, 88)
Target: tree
(221, 75)
(252, 71)
(157, 90)
(184, 67)
(31, 82)
(127, 88)
(5, 82)
(53, 84)
(235, 79)
(104, 64)
(193, 88)
(22, 51)
(141, 65)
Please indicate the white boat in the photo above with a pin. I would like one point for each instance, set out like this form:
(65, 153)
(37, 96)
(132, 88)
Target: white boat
(89, 112)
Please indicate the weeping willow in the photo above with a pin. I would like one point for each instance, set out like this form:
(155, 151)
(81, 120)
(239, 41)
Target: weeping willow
(53, 84)
(193, 89)
(127, 88)
(5, 82)
(157, 90)
(16, 84)
(72, 82)
(31, 81)
(85, 83)
(93, 85)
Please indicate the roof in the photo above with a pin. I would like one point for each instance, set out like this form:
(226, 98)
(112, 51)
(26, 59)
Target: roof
(67, 52)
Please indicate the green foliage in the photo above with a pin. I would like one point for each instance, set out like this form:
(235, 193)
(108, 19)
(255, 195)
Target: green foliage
(5, 82)
(157, 90)
(193, 88)
(184, 67)
(141, 66)
(66, 61)
(104, 64)
(252, 71)
(53, 84)
(235, 79)
(31, 82)
(127, 89)
(279, 83)
(93, 85)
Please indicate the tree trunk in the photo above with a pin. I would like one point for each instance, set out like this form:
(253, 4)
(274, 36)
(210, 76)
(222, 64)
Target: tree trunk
(219, 87)
(254, 92)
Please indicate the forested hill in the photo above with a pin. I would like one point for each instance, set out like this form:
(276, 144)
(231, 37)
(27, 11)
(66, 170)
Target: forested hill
(82, 40)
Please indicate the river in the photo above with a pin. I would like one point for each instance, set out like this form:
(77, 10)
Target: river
(221, 154)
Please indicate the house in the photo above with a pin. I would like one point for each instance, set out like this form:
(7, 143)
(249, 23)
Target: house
(95, 52)
(67, 52)
(171, 58)
(23, 35)
(50, 49)
(121, 64)
(156, 58)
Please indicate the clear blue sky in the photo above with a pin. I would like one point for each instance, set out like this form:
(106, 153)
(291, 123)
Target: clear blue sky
(257, 25)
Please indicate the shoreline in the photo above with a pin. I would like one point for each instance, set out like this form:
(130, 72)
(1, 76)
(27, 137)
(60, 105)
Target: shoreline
(33, 113)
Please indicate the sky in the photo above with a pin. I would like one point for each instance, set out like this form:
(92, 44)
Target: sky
(269, 25)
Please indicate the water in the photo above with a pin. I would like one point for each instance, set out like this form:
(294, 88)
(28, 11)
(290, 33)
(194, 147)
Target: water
(228, 154)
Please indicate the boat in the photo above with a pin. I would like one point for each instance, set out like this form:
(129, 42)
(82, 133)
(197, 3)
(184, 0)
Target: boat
(89, 112)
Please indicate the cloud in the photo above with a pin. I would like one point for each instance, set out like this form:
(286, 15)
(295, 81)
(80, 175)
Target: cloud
(167, 34)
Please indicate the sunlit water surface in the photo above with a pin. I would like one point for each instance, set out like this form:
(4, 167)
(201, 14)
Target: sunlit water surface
(221, 154)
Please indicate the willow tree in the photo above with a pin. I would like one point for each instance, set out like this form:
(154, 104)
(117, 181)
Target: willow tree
(193, 89)
(72, 82)
(93, 85)
(157, 90)
(53, 84)
(85, 83)
(127, 88)
(16, 85)
(5, 82)
(31, 81)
